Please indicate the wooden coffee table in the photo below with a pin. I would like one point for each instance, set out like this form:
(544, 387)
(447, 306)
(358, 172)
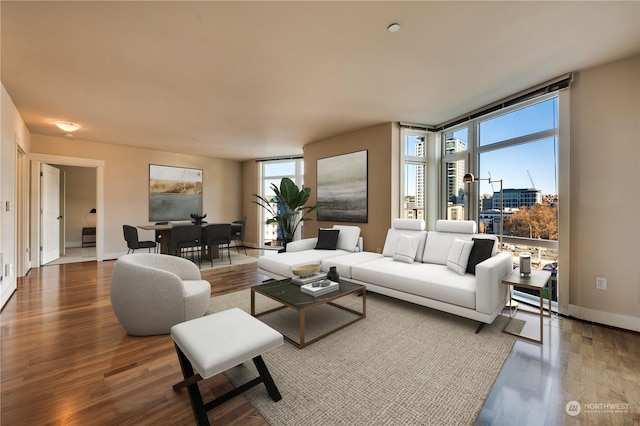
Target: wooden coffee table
(291, 297)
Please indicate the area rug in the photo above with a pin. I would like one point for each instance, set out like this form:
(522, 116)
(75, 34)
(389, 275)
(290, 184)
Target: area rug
(403, 364)
(236, 259)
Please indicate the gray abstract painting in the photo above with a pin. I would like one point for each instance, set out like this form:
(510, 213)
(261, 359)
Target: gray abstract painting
(174, 193)
(342, 188)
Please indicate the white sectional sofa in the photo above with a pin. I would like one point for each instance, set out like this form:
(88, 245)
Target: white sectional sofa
(428, 268)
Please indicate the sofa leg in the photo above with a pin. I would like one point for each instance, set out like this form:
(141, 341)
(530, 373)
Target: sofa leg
(480, 327)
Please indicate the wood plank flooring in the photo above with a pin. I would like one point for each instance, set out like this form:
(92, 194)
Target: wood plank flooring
(66, 360)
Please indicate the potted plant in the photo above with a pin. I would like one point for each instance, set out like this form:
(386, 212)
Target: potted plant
(289, 209)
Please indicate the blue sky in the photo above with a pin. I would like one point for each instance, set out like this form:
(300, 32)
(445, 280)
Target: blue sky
(511, 164)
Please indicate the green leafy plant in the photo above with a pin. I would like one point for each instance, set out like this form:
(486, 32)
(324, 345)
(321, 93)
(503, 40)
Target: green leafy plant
(289, 210)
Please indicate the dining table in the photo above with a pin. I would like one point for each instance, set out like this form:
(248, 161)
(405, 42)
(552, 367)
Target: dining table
(165, 236)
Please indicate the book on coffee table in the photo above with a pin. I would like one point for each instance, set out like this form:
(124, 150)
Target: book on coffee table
(319, 291)
(310, 279)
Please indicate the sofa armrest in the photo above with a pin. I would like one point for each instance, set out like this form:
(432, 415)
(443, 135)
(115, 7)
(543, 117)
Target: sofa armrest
(300, 245)
(490, 292)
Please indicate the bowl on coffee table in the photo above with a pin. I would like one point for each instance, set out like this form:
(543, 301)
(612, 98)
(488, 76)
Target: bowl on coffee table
(304, 271)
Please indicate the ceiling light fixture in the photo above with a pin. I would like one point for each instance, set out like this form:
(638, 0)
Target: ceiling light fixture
(393, 27)
(67, 126)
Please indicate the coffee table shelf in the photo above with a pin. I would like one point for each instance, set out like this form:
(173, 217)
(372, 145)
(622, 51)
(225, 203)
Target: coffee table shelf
(290, 296)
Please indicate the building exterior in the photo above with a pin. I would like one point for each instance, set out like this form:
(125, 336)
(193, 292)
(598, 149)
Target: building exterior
(516, 198)
(455, 172)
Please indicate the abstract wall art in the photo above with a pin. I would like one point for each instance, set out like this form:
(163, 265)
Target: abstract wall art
(174, 193)
(342, 188)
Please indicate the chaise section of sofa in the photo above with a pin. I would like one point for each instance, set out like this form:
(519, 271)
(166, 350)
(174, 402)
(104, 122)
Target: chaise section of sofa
(302, 252)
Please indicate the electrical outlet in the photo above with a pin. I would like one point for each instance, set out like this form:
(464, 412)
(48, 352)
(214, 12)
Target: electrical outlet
(601, 283)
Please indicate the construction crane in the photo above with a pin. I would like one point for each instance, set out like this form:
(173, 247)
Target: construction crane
(491, 182)
(533, 185)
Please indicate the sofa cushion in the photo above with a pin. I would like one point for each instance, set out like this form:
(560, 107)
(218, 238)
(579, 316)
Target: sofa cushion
(348, 237)
(436, 249)
(283, 263)
(406, 249)
(459, 255)
(439, 283)
(344, 263)
(409, 224)
(482, 250)
(457, 226)
(383, 271)
(393, 238)
(327, 239)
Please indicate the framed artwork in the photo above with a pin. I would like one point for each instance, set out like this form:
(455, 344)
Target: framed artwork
(174, 193)
(342, 187)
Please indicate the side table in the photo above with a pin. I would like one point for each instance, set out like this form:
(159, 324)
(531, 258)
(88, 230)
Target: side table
(88, 237)
(536, 281)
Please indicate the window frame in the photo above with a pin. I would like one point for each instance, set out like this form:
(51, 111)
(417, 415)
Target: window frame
(413, 160)
(297, 177)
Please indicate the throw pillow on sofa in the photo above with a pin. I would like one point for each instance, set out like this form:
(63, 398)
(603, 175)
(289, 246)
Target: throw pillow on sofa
(327, 239)
(459, 255)
(406, 249)
(348, 238)
(481, 251)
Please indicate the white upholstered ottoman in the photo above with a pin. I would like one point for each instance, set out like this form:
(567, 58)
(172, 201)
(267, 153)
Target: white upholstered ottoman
(213, 344)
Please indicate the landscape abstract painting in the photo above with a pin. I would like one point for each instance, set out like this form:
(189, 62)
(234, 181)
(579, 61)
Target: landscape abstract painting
(342, 188)
(174, 193)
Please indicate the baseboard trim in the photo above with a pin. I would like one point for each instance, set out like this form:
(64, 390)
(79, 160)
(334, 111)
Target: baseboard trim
(8, 289)
(616, 320)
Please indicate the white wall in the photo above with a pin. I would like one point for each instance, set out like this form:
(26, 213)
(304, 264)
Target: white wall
(605, 194)
(126, 184)
(13, 133)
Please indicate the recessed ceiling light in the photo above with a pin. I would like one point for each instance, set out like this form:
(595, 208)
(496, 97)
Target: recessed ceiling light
(67, 126)
(393, 27)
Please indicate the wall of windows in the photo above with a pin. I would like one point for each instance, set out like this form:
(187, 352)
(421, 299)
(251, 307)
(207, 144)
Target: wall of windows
(518, 145)
(272, 172)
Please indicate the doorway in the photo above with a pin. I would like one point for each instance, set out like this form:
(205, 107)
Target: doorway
(77, 225)
(82, 213)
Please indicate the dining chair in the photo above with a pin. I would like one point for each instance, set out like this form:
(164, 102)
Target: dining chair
(237, 234)
(217, 234)
(186, 239)
(133, 243)
(159, 234)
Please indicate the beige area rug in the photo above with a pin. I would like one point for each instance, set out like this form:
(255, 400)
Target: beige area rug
(402, 365)
(236, 259)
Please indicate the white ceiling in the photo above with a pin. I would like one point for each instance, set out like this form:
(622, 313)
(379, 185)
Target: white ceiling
(245, 80)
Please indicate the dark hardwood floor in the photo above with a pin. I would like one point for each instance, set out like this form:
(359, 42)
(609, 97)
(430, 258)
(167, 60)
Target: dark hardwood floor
(66, 360)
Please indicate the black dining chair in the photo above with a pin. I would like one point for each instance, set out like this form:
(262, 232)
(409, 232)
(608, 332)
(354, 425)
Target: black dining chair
(237, 234)
(186, 239)
(216, 235)
(159, 233)
(133, 243)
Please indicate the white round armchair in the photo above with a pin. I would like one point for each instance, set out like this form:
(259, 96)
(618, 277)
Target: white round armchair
(152, 292)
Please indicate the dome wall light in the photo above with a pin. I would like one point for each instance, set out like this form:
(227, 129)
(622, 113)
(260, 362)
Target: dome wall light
(66, 126)
(393, 27)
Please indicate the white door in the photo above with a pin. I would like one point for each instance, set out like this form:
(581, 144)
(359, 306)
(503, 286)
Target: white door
(50, 213)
